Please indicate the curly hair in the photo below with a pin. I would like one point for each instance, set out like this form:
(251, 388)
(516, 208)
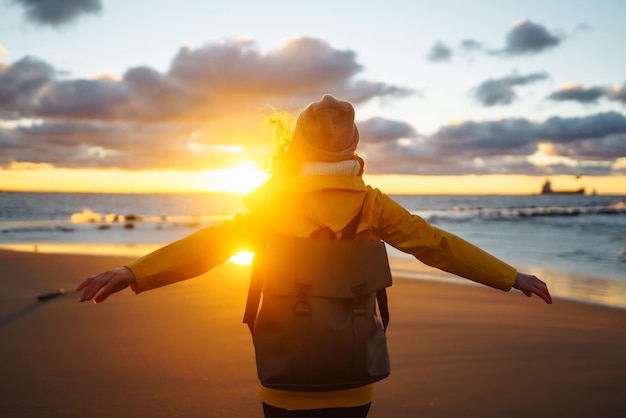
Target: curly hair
(283, 163)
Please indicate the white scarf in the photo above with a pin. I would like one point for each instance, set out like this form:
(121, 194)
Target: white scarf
(339, 168)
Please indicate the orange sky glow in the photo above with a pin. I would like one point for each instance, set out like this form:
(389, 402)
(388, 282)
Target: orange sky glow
(245, 177)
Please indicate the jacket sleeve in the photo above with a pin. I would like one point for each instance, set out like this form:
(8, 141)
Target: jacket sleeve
(195, 254)
(438, 248)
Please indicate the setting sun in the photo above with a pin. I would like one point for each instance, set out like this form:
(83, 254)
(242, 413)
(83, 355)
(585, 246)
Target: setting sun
(241, 178)
(243, 258)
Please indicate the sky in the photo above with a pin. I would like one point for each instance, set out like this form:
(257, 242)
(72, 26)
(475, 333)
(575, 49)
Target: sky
(450, 96)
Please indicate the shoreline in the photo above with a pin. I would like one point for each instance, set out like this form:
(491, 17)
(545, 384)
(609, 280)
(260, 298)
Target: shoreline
(182, 350)
(595, 291)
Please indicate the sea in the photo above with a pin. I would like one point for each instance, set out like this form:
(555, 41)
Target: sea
(575, 243)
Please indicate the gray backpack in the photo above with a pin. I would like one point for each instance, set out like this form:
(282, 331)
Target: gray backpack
(317, 328)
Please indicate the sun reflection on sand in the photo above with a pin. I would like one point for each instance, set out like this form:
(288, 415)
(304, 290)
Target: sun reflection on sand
(592, 290)
(243, 258)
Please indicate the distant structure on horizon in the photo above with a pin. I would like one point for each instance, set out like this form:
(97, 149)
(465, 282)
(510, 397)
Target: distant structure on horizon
(547, 189)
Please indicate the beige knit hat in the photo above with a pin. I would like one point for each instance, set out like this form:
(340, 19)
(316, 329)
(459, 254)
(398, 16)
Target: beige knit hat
(325, 131)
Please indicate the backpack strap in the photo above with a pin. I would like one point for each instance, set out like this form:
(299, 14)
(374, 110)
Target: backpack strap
(255, 289)
(349, 232)
(381, 296)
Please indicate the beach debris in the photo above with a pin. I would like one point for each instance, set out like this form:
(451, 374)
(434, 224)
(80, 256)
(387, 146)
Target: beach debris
(51, 295)
(129, 225)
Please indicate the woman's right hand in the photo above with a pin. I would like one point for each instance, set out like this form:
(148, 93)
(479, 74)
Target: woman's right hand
(530, 284)
(101, 286)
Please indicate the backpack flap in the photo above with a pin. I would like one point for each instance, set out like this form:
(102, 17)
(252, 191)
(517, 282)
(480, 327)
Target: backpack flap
(331, 268)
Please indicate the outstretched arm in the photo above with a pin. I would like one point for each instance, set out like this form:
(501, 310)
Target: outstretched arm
(530, 284)
(105, 284)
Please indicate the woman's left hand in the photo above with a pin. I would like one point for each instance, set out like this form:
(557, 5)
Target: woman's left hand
(530, 284)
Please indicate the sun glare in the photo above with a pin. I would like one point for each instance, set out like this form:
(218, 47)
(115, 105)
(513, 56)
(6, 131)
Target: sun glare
(242, 178)
(243, 258)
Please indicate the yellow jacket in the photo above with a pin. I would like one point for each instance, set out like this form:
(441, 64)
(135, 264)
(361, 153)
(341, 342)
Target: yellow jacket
(297, 207)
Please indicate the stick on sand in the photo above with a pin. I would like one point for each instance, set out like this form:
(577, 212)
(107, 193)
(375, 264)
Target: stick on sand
(51, 295)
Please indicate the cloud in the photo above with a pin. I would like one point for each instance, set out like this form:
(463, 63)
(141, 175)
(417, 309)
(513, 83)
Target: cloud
(377, 129)
(589, 145)
(527, 38)
(607, 148)
(596, 126)
(205, 111)
(187, 117)
(20, 84)
(516, 133)
(439, 52)
(508, 136)
(240, 66)
(501, 91)
(57, 13)
(88, 144)
(471, 45)
(578, 94)
(206, 83)
(589, 95)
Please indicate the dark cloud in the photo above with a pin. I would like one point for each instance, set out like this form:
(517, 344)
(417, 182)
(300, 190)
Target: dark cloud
(593, 144)
(379, 129)
(361, 91)
(579, 94)
(508, 136)
(239, 66)
(439, 52)
(58, 12)
(501, 91)
(210, 82)
(596, 126)
(529, 38)
(82, 99)
(85, 144)
(601, 148)
(383, 139)
(525, 38)
(186, 118)
(206, 110)
(471, 45)
(20, 83)
(589, 95)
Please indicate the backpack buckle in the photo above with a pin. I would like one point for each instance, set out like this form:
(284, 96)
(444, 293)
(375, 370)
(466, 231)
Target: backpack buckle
(360, 307)
(302, 306)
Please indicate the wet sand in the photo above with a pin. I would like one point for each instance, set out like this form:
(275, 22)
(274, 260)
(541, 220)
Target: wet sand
(182, 351)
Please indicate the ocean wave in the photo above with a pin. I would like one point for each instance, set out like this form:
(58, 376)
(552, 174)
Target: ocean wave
(467, 213)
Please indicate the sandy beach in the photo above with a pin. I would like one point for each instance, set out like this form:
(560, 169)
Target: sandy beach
(182, 351)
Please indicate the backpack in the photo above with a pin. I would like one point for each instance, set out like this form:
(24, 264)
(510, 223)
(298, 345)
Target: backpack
(317, 328)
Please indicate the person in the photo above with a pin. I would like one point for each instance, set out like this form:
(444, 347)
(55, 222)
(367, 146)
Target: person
(316, 181)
